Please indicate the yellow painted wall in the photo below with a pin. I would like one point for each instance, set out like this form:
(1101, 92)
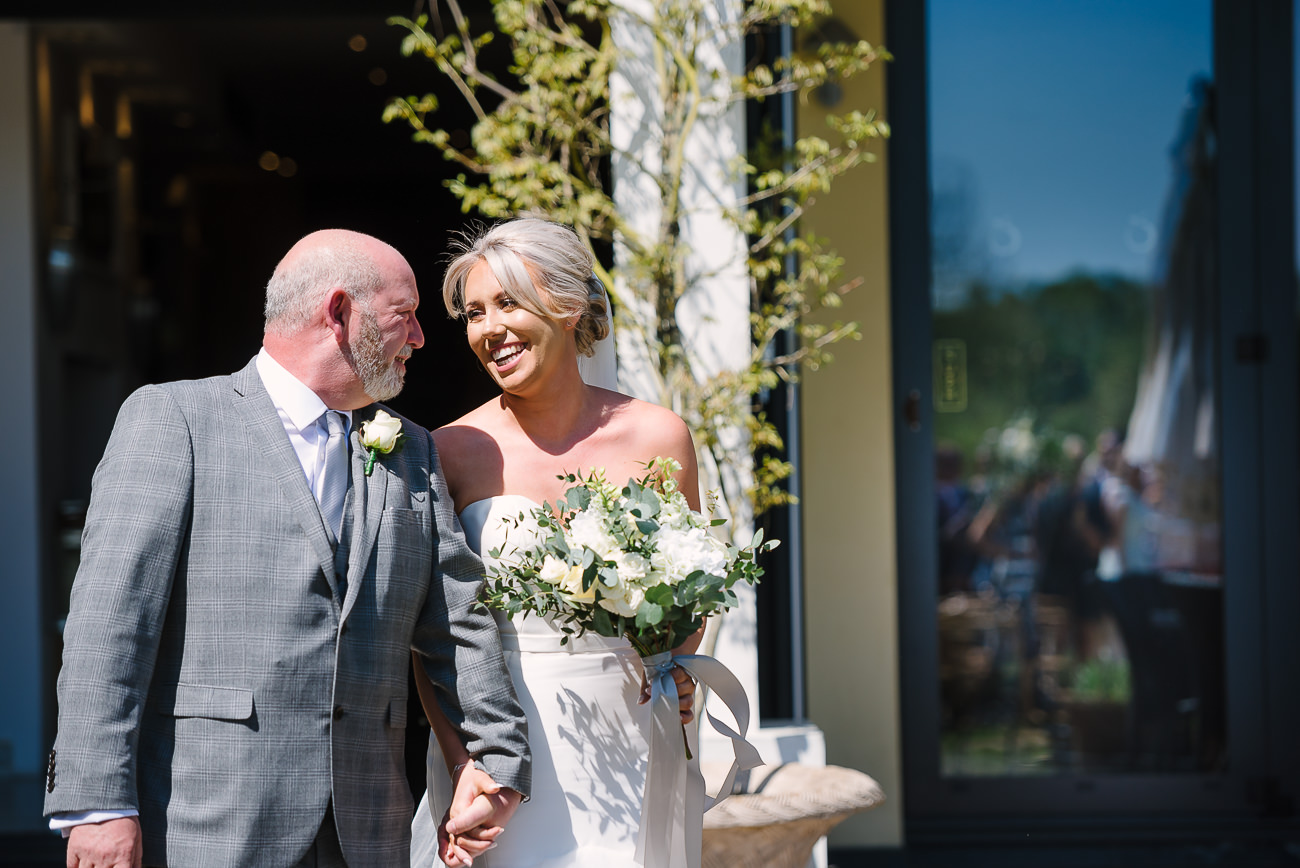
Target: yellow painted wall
(848, 495)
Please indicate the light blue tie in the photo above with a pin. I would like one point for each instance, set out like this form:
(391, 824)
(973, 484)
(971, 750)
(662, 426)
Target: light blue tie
(334, 488)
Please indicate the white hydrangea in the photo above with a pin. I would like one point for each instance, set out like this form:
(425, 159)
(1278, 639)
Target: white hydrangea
(589, 529)
(675, 513)
(681, 552)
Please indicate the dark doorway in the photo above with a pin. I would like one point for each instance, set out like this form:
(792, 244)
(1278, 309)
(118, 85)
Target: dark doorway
(179, 159)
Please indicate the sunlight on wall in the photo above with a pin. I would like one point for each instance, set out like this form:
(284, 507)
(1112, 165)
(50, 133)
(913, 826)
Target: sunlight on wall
(848, 467)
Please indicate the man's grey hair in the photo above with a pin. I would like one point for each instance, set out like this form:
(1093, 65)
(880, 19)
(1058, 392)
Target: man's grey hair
(300, 283)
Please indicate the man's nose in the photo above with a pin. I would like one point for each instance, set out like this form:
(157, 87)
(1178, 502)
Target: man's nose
(416, 337)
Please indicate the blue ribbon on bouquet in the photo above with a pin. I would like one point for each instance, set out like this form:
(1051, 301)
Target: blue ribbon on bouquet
(672, 811)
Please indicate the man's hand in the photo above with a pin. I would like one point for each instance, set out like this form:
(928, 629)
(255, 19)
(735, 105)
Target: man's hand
(111, 844)
(479, 811)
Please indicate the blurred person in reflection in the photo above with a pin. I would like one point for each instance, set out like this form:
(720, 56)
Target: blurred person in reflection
(1129, 497)
(956, 506)
(534, 313)
(234, 681)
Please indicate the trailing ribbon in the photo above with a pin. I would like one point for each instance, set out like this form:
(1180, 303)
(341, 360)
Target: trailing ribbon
(672, 811)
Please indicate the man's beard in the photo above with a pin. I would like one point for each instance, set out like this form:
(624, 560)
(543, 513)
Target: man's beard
(381, 378)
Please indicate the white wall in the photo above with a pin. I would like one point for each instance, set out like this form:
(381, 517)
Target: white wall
(22, 676)
(714, 313)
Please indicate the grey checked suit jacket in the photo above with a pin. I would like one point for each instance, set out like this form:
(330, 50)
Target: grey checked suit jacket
(214, 678)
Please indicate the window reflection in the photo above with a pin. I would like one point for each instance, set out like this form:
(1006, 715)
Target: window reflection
(1076, 464)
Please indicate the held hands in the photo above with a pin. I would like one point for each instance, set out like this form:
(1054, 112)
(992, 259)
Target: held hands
(111, 844)
(479, 810)
(685, 694)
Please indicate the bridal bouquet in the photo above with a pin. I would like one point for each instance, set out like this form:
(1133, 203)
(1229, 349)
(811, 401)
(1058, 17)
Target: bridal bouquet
(637, 561)
(632, 561)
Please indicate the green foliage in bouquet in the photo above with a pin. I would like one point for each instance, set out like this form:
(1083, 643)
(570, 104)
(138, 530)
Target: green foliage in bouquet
(537, 80)
(634, 561)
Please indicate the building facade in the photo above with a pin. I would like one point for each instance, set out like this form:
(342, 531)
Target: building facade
(1046, 543)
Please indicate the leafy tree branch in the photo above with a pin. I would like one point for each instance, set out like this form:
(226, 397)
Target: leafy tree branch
(542, 144)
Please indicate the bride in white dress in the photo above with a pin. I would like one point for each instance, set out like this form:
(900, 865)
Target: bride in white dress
(532, 306)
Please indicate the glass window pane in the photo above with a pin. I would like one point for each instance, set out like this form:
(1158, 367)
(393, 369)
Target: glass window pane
(1076, 468)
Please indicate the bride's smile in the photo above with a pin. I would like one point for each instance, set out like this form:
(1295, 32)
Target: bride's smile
(513, 343)
(505, 356)
(532, 305)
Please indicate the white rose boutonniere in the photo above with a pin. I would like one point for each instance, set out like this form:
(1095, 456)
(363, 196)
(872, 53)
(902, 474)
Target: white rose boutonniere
(382, 434)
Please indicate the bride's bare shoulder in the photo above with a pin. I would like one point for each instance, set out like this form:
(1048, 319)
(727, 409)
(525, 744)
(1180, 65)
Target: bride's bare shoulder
(470, 434)
(655, 429)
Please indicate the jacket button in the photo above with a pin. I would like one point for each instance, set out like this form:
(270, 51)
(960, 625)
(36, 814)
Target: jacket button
(338, 712)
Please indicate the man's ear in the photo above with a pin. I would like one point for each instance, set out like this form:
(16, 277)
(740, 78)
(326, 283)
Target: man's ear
(338, 310)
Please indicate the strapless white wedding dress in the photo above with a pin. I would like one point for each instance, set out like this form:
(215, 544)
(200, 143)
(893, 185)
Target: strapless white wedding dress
(588, 735)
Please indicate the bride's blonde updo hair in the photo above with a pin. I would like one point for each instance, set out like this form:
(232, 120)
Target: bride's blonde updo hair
(527, 254)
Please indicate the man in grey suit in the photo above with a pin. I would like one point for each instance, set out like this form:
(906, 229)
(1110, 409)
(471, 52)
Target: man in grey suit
(234, 682)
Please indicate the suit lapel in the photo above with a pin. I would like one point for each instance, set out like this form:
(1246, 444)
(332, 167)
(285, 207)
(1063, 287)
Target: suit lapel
(367, 507)
(279, 460)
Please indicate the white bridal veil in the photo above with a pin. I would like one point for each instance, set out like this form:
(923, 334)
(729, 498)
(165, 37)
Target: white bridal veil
(601, 367)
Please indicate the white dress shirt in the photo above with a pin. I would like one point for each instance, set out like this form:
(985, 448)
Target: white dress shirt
(300, 412)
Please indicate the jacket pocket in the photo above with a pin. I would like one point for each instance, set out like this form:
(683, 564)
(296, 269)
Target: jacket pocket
(217, 703)
(397, 713)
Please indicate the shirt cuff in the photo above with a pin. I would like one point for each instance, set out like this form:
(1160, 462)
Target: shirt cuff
(64, 822)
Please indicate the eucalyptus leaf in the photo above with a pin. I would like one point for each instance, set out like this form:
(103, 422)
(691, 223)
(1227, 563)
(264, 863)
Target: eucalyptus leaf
(649, 615)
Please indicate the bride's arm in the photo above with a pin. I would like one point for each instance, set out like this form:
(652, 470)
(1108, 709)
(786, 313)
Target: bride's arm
(688, 482)
(479, 806)
(453, 749)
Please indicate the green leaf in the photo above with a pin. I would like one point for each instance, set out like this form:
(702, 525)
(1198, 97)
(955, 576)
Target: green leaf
(660, 594)
(648, 615)
(578, 497)
(602, 623)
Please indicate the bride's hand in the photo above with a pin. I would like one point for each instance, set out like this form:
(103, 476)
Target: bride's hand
(479, 811)
(457, 851)
(685, 693)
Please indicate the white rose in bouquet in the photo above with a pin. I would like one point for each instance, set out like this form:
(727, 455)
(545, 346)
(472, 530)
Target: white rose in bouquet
(623, 600)
(637, 562)
(632, 567)
(634, 562)
(553, 570)
(571, 584)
